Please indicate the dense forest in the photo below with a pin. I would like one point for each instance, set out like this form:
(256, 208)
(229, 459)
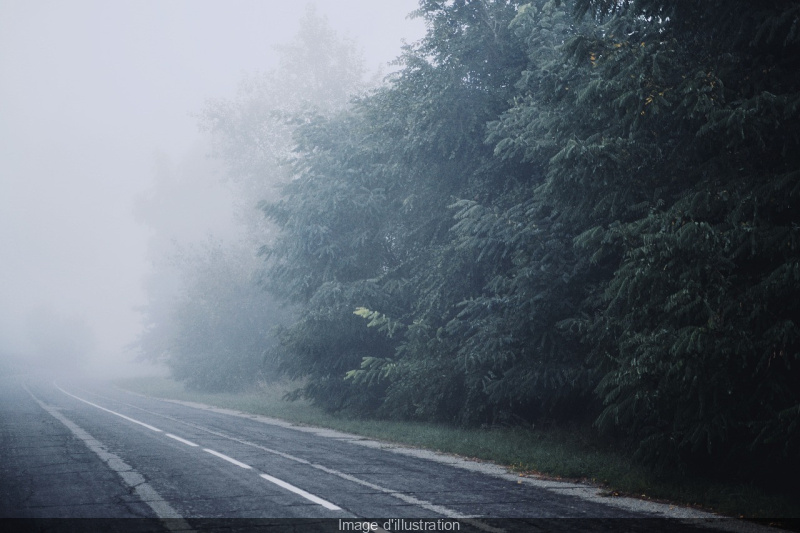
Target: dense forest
(551, 212)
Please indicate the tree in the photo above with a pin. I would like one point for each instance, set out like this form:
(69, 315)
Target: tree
(208, 317)
(366, 224)
(671, 136)
(558, 211)
(318, 73)
(222, 337)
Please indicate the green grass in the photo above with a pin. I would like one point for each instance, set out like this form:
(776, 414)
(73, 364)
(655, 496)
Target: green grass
(558, 454)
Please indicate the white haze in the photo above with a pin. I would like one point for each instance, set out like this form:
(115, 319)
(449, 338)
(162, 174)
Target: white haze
(94, 96)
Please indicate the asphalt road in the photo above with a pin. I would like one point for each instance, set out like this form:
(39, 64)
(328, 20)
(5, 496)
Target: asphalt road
(71, 449)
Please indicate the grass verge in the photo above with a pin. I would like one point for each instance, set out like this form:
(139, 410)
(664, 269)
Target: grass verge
(556, 454)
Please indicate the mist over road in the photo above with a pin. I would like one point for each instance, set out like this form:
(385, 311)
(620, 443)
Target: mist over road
(75, 449)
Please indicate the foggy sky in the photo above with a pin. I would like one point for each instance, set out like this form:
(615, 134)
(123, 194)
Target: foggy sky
(90, 91)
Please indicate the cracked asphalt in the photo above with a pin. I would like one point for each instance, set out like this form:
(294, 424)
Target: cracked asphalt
(71, 449)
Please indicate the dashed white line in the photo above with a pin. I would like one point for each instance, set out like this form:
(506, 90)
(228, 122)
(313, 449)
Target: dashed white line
(148, 426)
(444, 511)
(307, 495)
(177, 438)
(407, 498)
(279, 482)
(229, 459)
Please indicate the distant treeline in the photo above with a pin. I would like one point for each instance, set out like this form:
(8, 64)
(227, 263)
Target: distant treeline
(580, 211)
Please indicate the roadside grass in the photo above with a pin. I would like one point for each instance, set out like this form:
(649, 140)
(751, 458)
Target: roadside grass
(552, 453)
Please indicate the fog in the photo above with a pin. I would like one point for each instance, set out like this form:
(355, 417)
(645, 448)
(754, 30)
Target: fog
(97, 100)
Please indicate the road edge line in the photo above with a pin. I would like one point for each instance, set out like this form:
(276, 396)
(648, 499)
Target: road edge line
(170, 517)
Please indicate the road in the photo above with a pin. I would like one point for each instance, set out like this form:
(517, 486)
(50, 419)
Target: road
(72, 449)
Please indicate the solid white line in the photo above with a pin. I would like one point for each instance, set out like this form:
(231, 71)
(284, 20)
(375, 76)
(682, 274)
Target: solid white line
(177, 438)
(229, 459)
(326, 504)
(172, 519)
(148, 426)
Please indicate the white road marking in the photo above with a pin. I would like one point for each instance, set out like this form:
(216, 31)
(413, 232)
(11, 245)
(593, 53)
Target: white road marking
(307, 495)
(148, 426)
(229, 459)
(279, 482)
(172, 519)
(430, 506)
(177, 438)
(444, 511)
